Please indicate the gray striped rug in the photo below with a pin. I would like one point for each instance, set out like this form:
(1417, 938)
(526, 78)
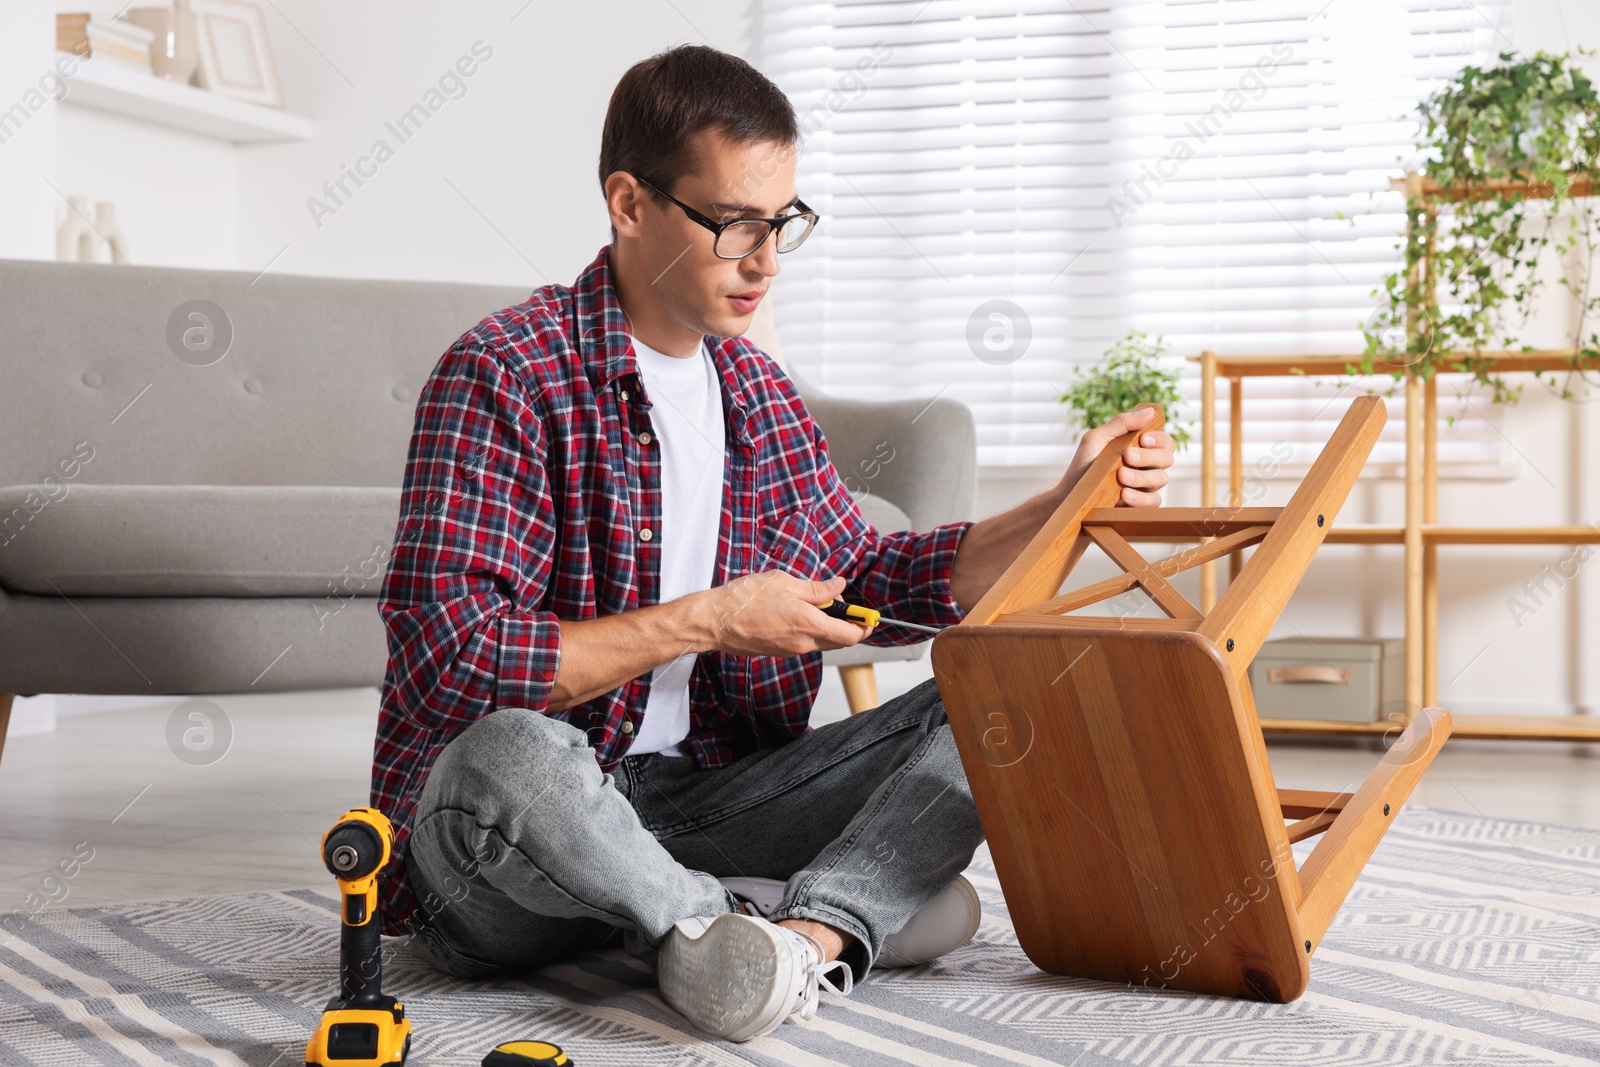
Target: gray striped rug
(1466, 942)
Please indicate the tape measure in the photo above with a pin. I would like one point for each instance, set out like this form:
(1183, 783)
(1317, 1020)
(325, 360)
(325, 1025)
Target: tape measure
(526, 1054)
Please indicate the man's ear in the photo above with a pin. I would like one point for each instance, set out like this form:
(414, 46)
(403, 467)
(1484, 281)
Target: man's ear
(625, 203)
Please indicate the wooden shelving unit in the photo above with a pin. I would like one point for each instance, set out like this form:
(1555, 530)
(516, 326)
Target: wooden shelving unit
(1422, 534)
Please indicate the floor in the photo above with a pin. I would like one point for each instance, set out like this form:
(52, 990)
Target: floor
(104, 810)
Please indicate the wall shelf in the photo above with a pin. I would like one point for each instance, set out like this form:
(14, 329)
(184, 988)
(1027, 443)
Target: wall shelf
(108, 87)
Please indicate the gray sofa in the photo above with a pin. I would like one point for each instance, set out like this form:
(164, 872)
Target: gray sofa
(187, 511)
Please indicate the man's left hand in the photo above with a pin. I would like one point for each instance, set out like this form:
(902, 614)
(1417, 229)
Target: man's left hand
(1143, 473)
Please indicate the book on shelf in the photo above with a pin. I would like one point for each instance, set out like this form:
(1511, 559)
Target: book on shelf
(77, 24)
(123, 43)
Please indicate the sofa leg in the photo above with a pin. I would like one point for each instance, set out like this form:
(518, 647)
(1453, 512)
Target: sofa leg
(860, 686)
(5, 718)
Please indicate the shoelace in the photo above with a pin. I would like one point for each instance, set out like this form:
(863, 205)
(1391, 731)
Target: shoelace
(816, 975)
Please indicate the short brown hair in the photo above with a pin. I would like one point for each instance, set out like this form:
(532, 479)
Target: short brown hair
(662, 102)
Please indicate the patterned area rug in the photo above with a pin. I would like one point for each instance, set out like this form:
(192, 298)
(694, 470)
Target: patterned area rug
(1466, 942)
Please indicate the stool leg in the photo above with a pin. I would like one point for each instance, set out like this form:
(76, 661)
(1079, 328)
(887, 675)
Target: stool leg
(860, 686)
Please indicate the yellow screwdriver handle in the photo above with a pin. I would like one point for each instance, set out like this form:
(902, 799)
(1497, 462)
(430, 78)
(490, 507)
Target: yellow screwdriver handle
(851, 612)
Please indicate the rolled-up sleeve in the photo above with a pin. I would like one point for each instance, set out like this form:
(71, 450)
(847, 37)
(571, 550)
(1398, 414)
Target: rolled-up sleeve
(905, 574)
(473, 550)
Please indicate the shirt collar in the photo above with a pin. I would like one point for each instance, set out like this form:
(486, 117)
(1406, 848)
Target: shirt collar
(607, 344)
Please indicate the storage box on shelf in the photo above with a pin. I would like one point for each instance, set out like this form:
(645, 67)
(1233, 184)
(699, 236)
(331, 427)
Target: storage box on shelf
(1331, 679)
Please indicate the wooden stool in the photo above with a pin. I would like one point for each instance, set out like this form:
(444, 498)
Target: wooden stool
(1117, 763)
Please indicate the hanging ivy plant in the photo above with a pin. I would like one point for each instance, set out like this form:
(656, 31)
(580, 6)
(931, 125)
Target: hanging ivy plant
(1138, 369)
(1470, 271)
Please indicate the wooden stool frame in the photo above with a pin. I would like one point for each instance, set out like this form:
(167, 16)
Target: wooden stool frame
(1117, 763)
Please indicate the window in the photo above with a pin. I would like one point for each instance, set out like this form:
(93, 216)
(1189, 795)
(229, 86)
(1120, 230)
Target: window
(1008, 187)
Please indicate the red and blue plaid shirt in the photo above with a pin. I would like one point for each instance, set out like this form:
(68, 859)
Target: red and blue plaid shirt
(532, 494)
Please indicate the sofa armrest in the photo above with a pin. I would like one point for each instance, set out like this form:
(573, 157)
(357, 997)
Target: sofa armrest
(920, 456)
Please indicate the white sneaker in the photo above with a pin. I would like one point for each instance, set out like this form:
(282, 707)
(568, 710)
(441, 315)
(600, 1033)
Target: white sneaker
(740, 976)
(942, 925)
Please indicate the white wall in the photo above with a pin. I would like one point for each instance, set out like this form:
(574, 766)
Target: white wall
(519, 145)
(499, 185)
(177, 193)
(27, 136)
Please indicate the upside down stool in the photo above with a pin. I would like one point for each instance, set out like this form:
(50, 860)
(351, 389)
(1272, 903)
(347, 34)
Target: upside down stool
(1117, 763)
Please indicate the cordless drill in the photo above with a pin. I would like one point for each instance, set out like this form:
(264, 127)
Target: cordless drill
(360, 1027)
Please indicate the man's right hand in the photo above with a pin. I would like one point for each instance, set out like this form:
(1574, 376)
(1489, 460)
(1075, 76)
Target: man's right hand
(773, 613)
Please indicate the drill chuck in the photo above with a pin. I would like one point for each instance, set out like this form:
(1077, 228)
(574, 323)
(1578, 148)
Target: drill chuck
(352, 850)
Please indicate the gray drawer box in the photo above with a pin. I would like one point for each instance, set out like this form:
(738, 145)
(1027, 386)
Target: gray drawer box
(1329, 679)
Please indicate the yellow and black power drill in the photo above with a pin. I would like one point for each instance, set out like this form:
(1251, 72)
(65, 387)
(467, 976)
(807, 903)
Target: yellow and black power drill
(360, 1027)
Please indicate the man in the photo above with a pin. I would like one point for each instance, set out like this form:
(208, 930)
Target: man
(617, 521)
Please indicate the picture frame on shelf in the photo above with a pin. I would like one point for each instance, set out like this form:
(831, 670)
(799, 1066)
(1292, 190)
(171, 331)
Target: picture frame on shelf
(235, 53)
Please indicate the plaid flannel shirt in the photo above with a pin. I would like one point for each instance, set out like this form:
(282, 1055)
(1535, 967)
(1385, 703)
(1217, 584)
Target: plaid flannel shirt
(532, 494)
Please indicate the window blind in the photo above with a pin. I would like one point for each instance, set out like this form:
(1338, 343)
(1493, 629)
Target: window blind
(1008, 187)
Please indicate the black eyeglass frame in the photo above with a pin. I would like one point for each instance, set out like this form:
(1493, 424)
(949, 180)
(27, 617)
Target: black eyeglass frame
(716, 227)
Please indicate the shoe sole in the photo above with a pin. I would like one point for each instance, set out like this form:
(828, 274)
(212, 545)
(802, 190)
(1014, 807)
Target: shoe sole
(736, 981)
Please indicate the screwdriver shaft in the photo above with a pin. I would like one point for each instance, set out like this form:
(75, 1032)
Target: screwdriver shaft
(909, 625)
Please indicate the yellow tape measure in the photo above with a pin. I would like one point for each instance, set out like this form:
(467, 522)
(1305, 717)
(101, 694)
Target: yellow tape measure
(526, 1054)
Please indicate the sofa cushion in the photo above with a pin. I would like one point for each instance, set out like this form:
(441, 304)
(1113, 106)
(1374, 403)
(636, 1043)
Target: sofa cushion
(299, 380)
(64, 538)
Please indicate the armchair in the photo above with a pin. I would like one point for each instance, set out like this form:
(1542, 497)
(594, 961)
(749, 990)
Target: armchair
(932, 479)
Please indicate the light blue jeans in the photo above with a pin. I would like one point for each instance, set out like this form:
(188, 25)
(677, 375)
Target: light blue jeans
(529, 853)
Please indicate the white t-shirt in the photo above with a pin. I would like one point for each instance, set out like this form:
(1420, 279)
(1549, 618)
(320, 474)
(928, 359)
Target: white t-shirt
(688, 425)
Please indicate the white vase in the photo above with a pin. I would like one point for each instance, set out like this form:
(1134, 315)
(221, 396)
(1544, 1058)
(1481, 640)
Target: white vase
(77, 241)
(175, 51)
(105, 220)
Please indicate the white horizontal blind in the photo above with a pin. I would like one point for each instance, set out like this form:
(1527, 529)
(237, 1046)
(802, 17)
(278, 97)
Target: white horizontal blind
(1178, 168)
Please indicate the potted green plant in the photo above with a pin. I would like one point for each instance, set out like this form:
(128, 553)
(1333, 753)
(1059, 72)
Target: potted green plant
(1469, 274)
(1138, 369)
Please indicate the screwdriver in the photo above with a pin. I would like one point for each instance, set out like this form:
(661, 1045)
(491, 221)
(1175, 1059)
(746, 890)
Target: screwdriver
(870, 616)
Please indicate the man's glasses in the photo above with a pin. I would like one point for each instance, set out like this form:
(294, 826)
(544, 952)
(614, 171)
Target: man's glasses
(738, 238)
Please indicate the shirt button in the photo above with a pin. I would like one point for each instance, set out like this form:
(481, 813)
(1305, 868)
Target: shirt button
(624, 394)
(645, 534)
(645, 438)
(627, 727)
